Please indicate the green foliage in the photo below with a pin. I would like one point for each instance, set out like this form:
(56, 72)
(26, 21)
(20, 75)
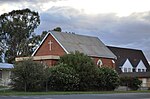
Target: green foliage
(63, 78)
(84, 67)
(28, 76)
(107, 79)
(132, 82)
(91, 77)
(16, 28)
(58, 29)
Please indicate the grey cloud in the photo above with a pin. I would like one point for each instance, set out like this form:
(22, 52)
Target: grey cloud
(9, 0)
(32, 4)
(131, 31)
(32, 1)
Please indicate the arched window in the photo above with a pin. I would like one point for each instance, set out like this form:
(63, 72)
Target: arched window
(99, 63)
(113, 61)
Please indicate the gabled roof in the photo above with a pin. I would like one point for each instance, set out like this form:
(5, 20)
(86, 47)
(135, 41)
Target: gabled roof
(127, 64)
(141, 65)
(6, 66)
(91, 46)
(134, 56)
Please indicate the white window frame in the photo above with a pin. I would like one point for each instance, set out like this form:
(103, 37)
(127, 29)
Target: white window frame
(113, 61)
(125, 69)
(99, 63)
(130, 70)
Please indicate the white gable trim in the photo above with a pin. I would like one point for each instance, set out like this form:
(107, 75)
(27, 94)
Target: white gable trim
(59, 43)
(127, 66)
(40, 44)
(140, 67)
(45, 39)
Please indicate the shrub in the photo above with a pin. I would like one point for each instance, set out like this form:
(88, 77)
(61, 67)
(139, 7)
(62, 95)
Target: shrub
(132, 82)
(63, 78)
(28, 76)
(107, 79)
(84, 67)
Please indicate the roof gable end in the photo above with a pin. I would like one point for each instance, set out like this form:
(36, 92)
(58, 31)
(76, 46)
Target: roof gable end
(49, 33)
(141, 65)
(127, 64)
(40, 44)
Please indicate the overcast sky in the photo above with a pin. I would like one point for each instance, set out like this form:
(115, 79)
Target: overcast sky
(122, 23)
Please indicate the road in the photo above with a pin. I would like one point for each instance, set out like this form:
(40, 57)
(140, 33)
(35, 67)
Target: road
(85, 96)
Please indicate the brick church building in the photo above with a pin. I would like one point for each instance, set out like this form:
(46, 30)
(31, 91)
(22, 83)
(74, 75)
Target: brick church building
(56, 44)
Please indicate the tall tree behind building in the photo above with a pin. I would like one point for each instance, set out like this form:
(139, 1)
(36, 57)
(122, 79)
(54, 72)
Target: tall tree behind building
(16, 28)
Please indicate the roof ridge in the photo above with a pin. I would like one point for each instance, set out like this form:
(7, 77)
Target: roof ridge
(124, 48)
(76, 34)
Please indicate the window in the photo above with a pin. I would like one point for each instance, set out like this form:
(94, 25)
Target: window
(139, 70)
(125, 70)
(99, 63)
(113, 61)
(129, 70)
(143, 70)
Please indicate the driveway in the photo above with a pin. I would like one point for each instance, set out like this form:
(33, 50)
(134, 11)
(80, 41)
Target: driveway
(85, 96)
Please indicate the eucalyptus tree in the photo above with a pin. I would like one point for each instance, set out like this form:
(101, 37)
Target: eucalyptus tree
(16, 28)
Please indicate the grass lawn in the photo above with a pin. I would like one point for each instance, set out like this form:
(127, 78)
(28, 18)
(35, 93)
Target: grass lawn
(10, 92)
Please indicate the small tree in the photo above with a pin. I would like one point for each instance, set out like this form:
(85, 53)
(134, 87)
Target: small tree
(63, 78)
(107, 79)
(84, 67)
(28, 76)
(132, 82)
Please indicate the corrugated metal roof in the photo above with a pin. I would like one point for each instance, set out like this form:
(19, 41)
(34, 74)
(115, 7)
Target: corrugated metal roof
(6, 66)
(91, 46)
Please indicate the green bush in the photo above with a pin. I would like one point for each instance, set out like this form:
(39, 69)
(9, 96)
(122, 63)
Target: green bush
(63, 78)
(84, 67)
(132, 82)
(107, 79)
(28, 76)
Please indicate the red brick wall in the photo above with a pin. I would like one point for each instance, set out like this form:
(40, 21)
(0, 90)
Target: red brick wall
(105, 61)
(44, 49)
